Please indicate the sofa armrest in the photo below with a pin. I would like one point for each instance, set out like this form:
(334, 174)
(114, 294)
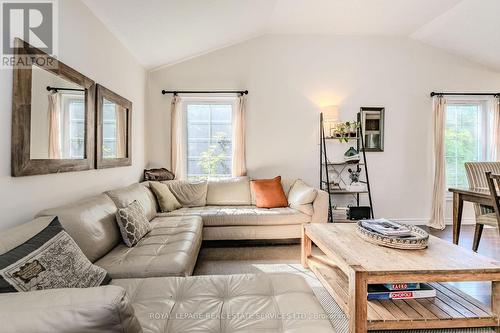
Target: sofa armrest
(320, 207)
(100, 309)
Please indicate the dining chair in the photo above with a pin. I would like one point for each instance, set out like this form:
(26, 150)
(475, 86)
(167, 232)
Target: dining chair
(477, 178)
(494, 184)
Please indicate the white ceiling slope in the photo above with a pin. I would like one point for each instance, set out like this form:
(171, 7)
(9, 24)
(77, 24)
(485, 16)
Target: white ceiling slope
(471, 29)
(160, 32)
(163, 32)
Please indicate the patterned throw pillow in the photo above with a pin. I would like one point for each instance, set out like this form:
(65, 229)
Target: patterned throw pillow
(133, 223)
(50, 259)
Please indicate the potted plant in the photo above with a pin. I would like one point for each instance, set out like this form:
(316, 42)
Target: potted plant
(345, 130)
(354, 125)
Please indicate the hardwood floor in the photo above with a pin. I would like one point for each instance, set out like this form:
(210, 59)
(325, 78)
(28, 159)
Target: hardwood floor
(490, 240)
(489, 247)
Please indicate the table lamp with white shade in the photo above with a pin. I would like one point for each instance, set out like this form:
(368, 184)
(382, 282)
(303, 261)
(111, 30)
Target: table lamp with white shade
(330, 118)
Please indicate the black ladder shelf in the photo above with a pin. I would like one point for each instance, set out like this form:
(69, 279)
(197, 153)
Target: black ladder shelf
(325, 166)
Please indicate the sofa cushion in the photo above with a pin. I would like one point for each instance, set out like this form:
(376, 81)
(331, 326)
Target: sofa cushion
(227, 192)
(226, 303)
(285, 183)
(301, 197)
(50, 259)
(133, 223)
(189, 194)
(166, 199)
(248, 232)
(243, 215)
(125, 196)
(98, 310)
(13, 237)
(169, 249)
(269, 193)
(91, 222)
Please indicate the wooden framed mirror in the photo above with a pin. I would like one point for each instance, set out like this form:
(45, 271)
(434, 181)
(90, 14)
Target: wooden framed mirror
(53, 108)
(114, 129)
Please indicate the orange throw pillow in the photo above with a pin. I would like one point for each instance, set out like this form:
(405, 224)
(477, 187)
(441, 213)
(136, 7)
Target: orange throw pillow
(269, 193)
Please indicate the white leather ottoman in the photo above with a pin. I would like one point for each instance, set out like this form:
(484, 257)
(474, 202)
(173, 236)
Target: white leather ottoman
(224, 303)
(276, 302)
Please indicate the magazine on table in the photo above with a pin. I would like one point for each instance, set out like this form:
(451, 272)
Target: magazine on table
(386, 227)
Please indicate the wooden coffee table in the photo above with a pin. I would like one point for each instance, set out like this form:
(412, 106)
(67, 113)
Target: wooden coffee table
(345, 264)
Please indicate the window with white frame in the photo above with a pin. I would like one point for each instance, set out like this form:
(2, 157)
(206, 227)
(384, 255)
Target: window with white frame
(73, 129)
(109, 129)
(209, 127)
(467, 137)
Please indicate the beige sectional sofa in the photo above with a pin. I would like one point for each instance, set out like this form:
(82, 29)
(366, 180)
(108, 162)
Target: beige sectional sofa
(152, 290)
(172, 247)
(230, 213)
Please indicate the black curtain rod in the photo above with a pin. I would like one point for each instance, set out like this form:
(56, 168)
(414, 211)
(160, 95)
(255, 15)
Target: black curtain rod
(176, 92)
(463, 94)
(56, 89)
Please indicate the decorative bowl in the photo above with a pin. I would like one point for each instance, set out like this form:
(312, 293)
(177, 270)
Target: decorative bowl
(419, 239)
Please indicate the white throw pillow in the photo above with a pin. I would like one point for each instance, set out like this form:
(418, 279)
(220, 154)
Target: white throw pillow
(229, 192)
(301, 197)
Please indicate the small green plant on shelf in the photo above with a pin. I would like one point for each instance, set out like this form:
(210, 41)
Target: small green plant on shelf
(345, 130)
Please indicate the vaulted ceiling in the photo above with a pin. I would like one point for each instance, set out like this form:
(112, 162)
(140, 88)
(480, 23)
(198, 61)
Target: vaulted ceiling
(162, 32)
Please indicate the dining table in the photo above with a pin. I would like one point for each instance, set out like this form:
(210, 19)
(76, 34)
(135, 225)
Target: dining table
(480, 196)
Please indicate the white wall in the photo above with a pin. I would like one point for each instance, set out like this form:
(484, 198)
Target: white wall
(291, 77)
(86, 45)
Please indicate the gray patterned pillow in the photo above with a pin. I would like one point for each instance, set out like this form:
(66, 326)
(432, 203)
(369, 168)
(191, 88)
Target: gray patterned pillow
(50, 259)
(133, 223)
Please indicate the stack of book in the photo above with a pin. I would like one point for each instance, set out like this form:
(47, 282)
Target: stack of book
(400, 291)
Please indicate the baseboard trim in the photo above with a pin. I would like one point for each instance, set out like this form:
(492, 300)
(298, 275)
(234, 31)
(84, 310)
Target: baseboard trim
(420, 221)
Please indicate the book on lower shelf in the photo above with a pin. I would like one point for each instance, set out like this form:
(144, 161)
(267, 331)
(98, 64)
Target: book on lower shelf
(401, 286)
(382, 292)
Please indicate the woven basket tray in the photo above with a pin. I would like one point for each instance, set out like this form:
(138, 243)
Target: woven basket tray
(419, 240)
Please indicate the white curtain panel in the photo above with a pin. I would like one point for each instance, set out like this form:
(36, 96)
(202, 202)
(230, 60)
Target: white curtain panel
(238, 162)
(438, 199)
(495, 143)
(178, 149)
(54, 114)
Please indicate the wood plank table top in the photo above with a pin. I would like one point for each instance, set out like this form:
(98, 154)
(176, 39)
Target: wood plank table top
(342, 242)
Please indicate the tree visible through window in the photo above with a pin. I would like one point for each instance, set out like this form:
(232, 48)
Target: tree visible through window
(209, 139)
(466, 138)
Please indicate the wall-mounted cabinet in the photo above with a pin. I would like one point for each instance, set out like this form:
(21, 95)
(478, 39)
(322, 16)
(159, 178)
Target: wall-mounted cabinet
(372, 124)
